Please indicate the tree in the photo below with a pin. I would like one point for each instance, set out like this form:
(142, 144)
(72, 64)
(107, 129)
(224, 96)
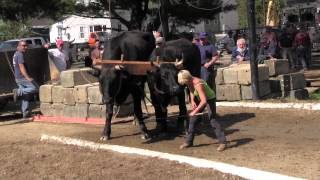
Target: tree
(149, 14)
(21, 10)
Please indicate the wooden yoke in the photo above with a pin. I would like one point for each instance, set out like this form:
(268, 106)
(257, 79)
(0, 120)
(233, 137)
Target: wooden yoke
(133, 67)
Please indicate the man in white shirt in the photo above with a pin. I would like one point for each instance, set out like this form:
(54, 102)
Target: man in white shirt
(59, 56)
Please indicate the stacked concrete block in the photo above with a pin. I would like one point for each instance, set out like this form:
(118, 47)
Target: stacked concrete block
(277, 66)
(77, 77)
(46, 96)
(76, 98)
(228, 92)
(290, 85)
(264, 90)
(94, 95)
(233, 83)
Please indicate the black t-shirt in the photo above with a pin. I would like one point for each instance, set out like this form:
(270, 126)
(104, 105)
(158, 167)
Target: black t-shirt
(286, 40)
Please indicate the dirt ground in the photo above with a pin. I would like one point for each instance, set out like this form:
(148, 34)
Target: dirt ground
(280, 141)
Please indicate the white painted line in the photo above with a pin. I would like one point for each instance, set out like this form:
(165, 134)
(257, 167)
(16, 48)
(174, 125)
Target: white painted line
(264, 105)
(196, 162)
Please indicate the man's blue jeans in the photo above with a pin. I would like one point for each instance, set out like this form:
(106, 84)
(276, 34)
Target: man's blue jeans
(26, 91)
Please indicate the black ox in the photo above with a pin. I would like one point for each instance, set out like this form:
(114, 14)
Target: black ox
(116, 83)
(162, 79)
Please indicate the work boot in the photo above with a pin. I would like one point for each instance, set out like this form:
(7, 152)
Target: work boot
(15, 94)
(222, 147)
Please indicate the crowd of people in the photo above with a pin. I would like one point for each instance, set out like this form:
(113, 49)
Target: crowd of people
(289, 43)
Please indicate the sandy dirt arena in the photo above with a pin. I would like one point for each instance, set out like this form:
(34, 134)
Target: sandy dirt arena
(279, 141)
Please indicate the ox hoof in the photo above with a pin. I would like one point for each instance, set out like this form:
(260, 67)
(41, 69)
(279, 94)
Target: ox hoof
(104, 138)
(145, 136)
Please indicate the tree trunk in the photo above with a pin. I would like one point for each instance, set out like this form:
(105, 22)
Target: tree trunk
(164, 18)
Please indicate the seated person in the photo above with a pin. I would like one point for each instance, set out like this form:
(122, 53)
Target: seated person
(268, 50)
(241, 52)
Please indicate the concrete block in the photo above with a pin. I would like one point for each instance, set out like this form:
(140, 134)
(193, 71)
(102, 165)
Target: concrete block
(57, 94)
(292, 81)
(58, 109)
(74, 77)
(277, 66)
(45, 93)
(275, 85)
(77, 111)
(244, 73)
(46, 109)
(97, 111)
(81, 93)
(299, 94)
(219, 76)
(68, 96)
(264, 90)
(94, 95)
(228, 92)
(230, 75)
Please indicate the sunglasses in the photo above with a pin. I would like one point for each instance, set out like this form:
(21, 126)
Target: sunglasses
(24, 45)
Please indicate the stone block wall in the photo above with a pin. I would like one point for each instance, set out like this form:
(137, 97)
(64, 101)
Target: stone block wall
(77, 98)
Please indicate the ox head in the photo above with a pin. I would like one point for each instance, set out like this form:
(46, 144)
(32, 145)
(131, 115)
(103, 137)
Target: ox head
(113, 81)
(163, 79)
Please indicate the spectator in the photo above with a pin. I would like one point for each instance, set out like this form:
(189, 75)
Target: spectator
(59, 56)
(229, 42)
(96, 55)
(195, 39)
(302, 45)
(27, 86)
(209, 55)
(285, 43)
(267, 50)
(201, 96)
(241, 52)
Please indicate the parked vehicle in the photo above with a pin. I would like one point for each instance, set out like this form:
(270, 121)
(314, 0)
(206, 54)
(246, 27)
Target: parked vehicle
(32, 41)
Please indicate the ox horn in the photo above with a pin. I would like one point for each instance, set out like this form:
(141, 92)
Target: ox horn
(118, 67)
(179, 64)
(154, 64)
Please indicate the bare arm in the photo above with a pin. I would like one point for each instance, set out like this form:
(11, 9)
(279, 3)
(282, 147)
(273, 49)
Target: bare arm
(24, 72)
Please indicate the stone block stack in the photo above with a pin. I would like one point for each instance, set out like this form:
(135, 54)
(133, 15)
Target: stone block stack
(233, 83)
(285, 84)
(78, 96)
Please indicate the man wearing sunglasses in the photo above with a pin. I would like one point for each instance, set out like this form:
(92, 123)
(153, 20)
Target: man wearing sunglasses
(26, 84)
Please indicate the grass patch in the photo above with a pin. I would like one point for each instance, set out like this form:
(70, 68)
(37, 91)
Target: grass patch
(315, 95)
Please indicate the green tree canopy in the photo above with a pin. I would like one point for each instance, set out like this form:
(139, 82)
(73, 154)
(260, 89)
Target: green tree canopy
(155, 12)
(20, 10)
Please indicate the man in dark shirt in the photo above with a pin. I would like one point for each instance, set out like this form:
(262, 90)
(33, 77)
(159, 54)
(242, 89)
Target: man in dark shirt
(285, 43)
(209, 55)
(26, 84)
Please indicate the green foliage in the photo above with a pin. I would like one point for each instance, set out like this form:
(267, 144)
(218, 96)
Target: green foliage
(13, 30)
(18, 10)
(315, 95)
(181, 11)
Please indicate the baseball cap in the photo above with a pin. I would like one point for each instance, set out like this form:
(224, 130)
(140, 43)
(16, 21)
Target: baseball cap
(59, 42)
(203, 35)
